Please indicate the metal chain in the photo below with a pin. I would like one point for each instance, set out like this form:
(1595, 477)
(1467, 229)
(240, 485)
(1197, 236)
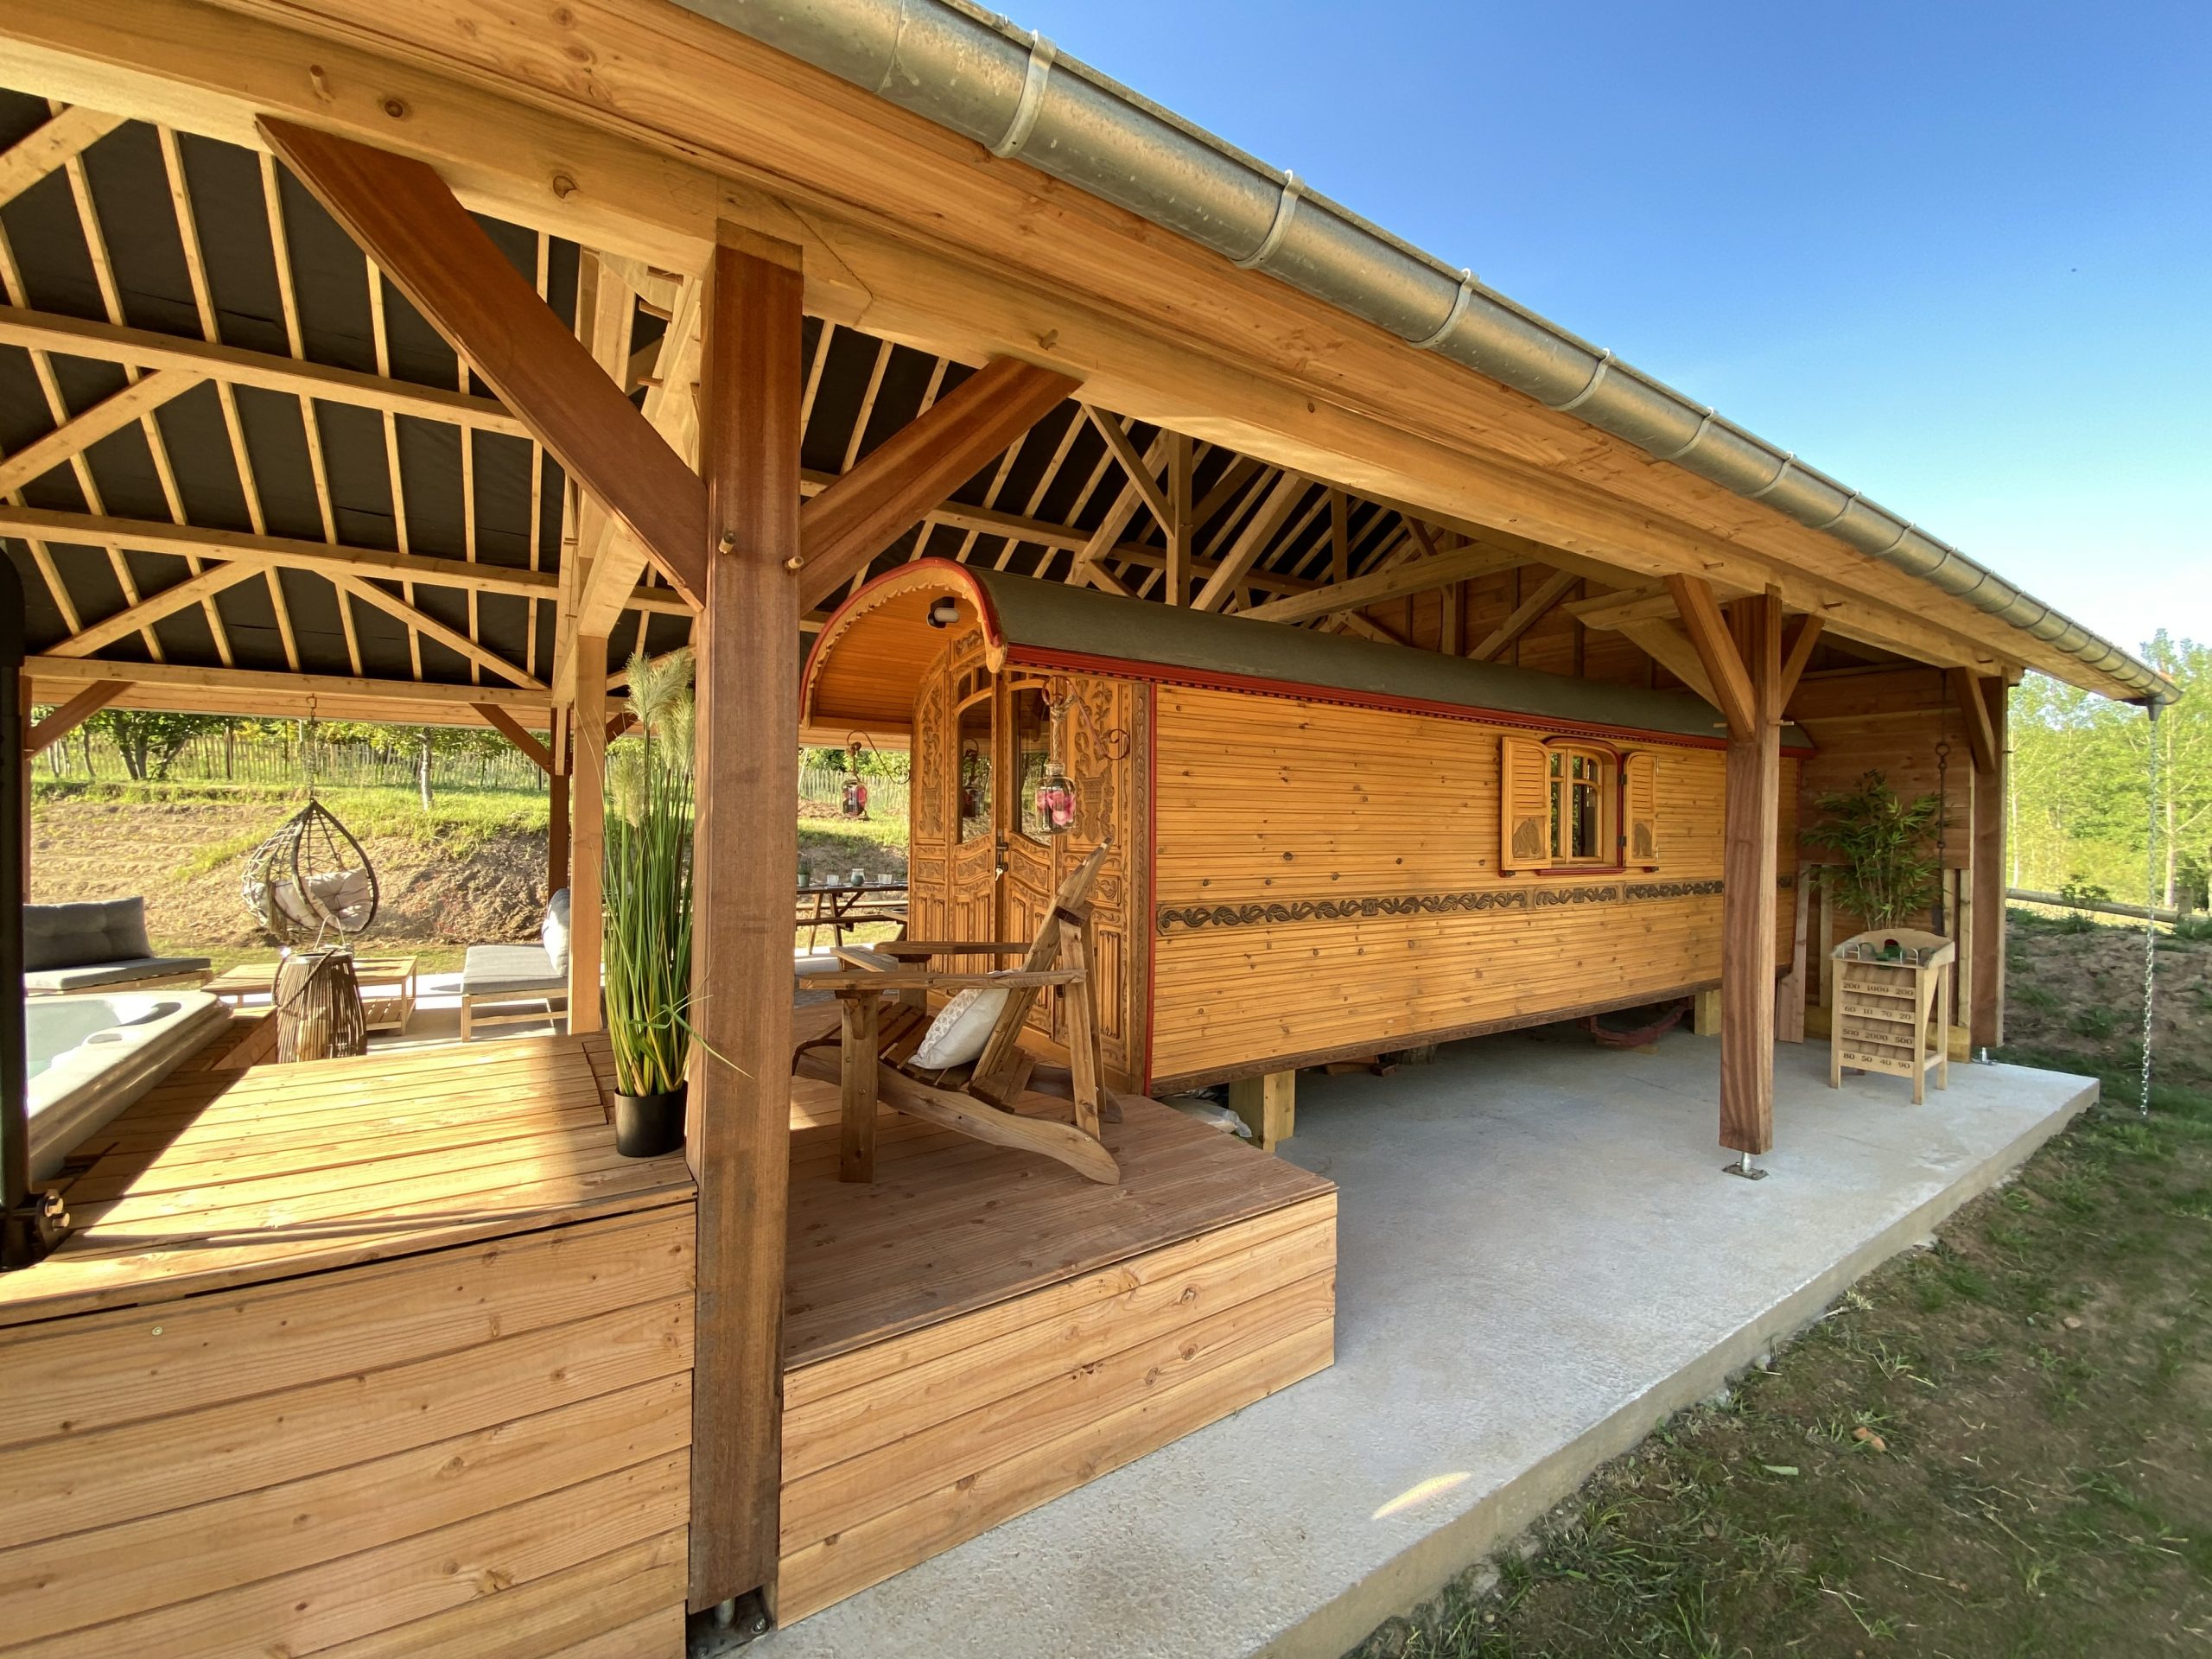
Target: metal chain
(1942, 822)
(2149, 918)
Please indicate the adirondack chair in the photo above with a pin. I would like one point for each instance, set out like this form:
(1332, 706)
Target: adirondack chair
(876, 1041)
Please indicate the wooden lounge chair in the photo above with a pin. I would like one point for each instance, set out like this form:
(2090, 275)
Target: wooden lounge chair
(876, 1041)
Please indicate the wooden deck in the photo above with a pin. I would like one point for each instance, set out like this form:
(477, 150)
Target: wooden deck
(979, 1331)
(340, 1350)
(394, 1356)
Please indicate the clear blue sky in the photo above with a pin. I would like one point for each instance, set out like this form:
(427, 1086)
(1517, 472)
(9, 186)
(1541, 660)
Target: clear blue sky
(1957, 255)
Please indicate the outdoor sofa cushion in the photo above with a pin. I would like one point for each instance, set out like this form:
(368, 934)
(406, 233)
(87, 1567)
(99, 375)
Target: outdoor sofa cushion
(77, 935)
(553, 930)
(520, 969)
(510, 971)
(92, 976)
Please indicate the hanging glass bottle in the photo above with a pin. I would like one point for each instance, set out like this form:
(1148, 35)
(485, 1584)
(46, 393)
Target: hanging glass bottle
(1056, 796)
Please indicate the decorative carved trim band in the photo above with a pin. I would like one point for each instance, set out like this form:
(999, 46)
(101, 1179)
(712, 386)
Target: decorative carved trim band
(1277, 911)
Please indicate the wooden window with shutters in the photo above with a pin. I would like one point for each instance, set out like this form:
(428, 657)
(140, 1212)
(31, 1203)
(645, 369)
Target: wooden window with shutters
(1524, 806)
(1640, 810)
(1571, 804)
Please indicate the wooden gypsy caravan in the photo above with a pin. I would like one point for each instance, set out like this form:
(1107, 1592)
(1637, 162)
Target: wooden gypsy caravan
(1320, 847)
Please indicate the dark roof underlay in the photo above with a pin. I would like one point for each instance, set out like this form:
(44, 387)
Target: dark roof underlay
(102, 239)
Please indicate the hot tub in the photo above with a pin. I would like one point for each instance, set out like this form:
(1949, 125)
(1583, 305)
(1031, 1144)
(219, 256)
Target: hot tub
(91, 1055)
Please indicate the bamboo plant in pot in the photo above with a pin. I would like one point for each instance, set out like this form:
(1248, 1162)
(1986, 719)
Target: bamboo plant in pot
(1888, 871)
(648, 876)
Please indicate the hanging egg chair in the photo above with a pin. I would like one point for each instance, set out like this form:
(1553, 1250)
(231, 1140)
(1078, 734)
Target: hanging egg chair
(310, 878)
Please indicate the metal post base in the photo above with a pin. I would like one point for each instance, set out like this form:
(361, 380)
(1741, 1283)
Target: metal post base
(29, 1232)
(1745, 1167)
(726, 1626)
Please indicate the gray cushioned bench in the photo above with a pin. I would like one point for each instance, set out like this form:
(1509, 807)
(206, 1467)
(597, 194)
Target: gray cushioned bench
(496, 976)
(99, 945)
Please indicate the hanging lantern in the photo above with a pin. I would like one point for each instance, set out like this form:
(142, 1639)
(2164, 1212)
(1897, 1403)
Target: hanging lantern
(1056, 799)
(855, 802)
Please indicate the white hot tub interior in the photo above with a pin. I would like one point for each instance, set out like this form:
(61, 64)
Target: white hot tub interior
(92, 1056)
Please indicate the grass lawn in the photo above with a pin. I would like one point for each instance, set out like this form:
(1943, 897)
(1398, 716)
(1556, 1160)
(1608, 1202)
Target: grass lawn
(1997, 1447)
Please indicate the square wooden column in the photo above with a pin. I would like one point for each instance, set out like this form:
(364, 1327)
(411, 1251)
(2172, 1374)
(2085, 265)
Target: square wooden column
(745, 848)
(587, 814)
(1985, 1014)
(1749, 867)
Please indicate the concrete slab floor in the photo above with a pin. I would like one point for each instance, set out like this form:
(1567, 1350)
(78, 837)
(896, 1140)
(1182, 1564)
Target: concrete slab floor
(1539, 1258)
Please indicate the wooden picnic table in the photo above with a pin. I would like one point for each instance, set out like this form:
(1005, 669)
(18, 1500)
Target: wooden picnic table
(840, 904)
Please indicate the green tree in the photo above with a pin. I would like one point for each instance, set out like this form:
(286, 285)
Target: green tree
(149, 739)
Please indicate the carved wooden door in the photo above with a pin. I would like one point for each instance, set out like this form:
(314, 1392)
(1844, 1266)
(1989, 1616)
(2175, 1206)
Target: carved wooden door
(976, 800)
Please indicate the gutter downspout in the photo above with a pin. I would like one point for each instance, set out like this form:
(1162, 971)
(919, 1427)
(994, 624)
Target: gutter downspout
(1011, 91)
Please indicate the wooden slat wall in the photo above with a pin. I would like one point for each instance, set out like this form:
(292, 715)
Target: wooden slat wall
(477, 1451)
(1266, 799)
(899, 1450)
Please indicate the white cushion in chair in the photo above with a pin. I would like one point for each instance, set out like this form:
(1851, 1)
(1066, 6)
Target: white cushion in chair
(960, 1030)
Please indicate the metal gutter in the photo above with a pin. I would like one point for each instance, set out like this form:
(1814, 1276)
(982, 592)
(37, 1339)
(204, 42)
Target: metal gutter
(1010, 91)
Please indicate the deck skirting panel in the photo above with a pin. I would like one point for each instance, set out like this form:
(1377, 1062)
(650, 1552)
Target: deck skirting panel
(896, 1450)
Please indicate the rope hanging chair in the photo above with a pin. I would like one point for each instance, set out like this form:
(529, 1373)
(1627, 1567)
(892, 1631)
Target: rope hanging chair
(311, 879)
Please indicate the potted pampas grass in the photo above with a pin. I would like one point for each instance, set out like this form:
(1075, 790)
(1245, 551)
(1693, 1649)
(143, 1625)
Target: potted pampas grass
(647, 875)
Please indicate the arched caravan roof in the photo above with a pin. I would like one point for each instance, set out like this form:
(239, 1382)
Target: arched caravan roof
(870, 656)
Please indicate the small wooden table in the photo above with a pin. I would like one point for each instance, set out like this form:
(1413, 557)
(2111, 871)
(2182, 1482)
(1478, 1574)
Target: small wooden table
(388, 988)
(839, 905)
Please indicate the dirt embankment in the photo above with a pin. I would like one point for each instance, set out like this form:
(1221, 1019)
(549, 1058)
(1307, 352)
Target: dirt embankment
(186, 858)
(2081, 992)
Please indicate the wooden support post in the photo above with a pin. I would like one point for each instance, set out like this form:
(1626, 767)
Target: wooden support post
(1268, 1106)
(1752, 824)
(745, 848)
(860, 1012)
(588, 812)
(1181, 527)
(1985, 1014)
(1705, 1014)
(558, 806)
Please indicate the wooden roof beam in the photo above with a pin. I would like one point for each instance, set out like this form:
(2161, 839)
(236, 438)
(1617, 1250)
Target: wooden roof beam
(78, 433)
(511, 728)
(890, 489)
(1981, 732)
(1531, 610)
(235, 365)
(402, 214)
(1716, 650)
(237, 548)
(175, 682)
(1274, 510)
(1796, 651)
(1394, 582)
(1665, 643)
(130, 619)
(44, 734)
(1089, 565)
(62, 139)
(430, 627)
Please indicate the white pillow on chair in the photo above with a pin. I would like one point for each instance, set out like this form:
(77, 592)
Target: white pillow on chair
(960, 1028)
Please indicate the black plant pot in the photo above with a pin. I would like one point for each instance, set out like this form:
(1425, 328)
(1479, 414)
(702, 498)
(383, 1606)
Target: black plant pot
(648, 1126)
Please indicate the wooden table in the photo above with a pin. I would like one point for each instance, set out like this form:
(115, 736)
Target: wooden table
(389, 1008)
(839, 905)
